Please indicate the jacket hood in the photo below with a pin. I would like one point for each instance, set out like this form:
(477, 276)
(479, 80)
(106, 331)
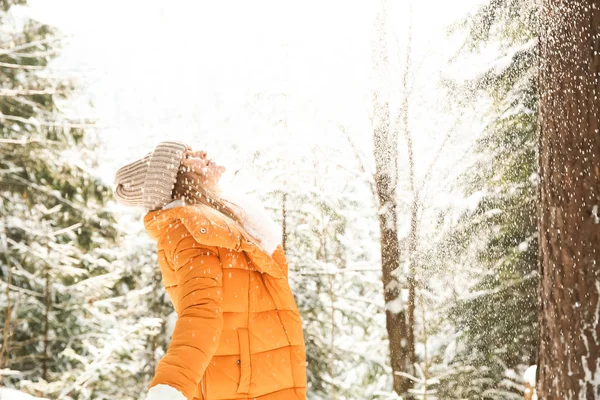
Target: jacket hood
(211, 228)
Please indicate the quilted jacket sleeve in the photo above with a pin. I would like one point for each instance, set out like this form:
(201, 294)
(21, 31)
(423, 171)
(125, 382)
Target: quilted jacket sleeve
(279, 257)
(200, 317)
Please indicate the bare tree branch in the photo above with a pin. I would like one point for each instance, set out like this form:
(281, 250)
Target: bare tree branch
(29, 92)
(37, 122)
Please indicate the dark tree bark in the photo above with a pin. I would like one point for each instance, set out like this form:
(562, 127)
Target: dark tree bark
(569, 228)
(386, 180)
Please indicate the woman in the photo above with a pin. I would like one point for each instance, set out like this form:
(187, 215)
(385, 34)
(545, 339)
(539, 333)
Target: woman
(238, 334)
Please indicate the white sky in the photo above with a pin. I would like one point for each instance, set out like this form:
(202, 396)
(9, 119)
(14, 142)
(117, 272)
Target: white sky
(255, 74)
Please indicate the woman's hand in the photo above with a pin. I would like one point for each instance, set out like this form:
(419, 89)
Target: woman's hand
(207, 170)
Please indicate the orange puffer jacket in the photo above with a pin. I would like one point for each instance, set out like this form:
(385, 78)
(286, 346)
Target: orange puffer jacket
(238, 334)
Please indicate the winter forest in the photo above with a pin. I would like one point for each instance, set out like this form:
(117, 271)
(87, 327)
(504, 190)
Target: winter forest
(434, 168)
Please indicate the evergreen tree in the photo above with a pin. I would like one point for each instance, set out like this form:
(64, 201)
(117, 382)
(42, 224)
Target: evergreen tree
(497, 242)
(59, 315)
(138, 317)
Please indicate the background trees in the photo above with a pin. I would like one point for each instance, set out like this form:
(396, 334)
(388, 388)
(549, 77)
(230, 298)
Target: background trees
(496, 242)
(326, 212)
(54, 225)
(67, 328)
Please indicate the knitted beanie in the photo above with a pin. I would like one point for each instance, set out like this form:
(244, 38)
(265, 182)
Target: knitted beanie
(149, 182)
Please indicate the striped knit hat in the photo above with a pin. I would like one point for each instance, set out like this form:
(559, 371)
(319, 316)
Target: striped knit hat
(149, 182)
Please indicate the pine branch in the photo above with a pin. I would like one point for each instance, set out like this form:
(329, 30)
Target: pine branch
(36, 122)
(22, 66)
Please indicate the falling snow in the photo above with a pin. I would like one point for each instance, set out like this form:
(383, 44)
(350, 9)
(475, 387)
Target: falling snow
(430, 169)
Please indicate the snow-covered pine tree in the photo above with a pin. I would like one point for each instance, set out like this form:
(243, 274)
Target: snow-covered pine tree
(57, 238)
(497, 242)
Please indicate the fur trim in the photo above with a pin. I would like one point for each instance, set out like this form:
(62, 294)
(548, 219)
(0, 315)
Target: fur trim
(174, 203)
(255, 219)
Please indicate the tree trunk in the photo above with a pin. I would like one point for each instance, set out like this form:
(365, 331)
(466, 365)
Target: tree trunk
(569, 228)
(385, 141)
(4, 362)
(48, 301)
(414, 208)
(411, 256)
(386, 180)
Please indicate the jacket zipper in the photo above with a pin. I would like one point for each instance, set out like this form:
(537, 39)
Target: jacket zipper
(202, 388)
